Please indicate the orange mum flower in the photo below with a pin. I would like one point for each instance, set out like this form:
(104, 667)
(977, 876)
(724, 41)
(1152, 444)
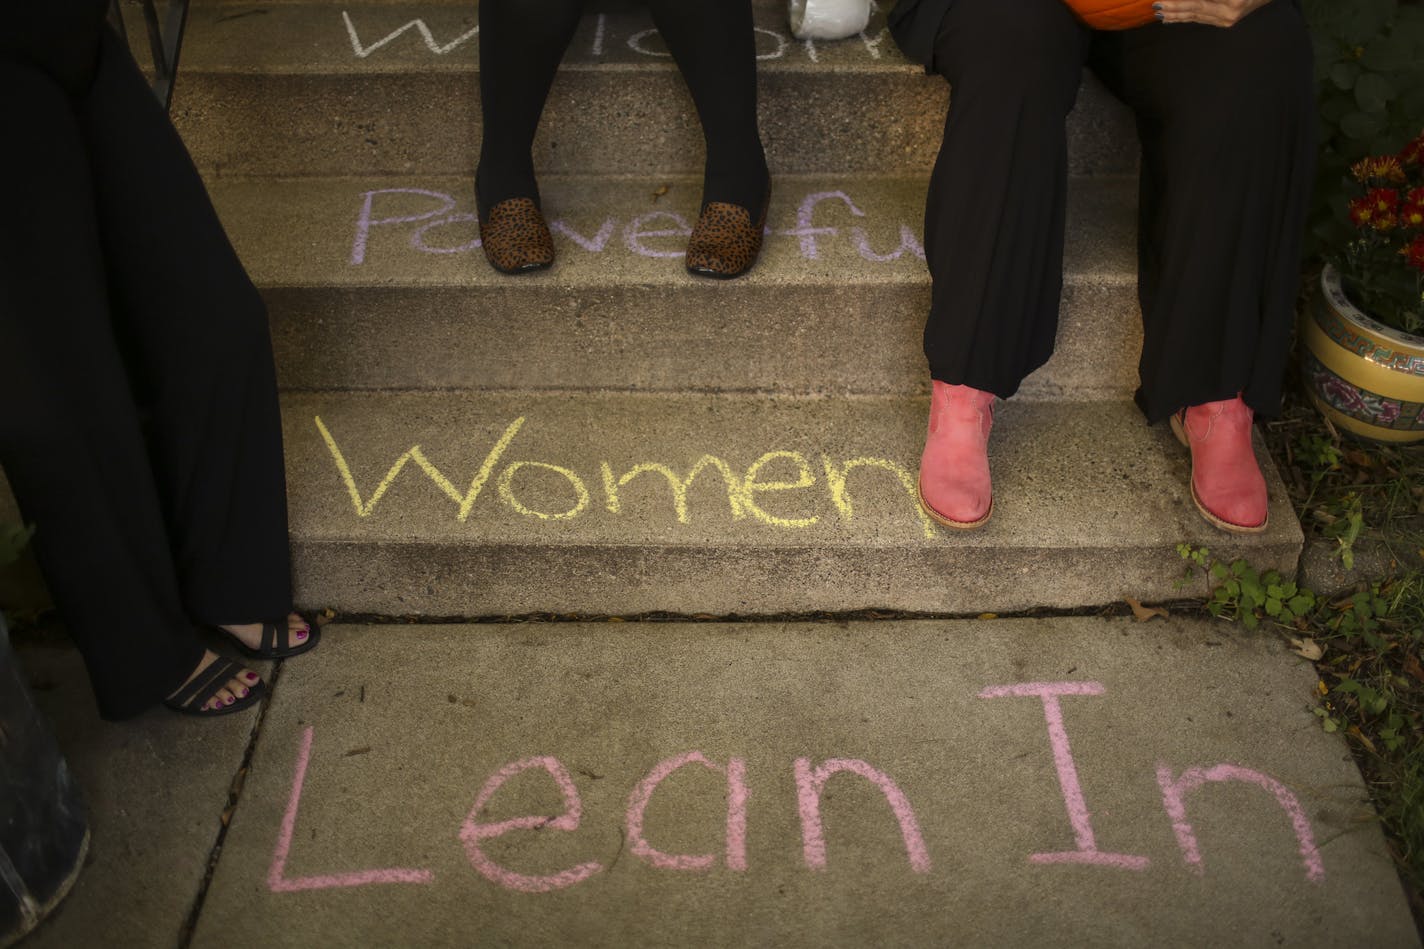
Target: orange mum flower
(1380, 170)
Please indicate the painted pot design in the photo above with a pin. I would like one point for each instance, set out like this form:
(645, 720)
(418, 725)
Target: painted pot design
(1367, 378)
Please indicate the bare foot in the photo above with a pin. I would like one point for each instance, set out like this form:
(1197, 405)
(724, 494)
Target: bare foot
(250, 634)
(238, 687)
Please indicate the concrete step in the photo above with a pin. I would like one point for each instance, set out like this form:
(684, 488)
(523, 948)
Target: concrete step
(901, 789)
(462, 503)
(367, 88)
(837, 302)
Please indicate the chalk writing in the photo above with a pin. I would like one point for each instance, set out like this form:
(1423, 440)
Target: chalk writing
(1087, 852)
(744, 491)
(638, 43)
(678, 485)
(506, 491)
(277, 879)
(811, 782)
(636, 231)
(417, 24)
(600, 29)
(466, 501)
(772, 44)
(1174, 791)
(474, 833)
(655, 234)
(737, 795)
(594, 244)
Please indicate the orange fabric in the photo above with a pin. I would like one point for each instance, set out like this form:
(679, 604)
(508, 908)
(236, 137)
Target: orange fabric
(1113, 14)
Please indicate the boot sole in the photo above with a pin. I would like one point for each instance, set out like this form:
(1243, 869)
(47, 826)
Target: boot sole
(1211, 518)
(949, 521)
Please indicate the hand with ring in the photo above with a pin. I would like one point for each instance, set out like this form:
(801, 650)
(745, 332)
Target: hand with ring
(1208, 12)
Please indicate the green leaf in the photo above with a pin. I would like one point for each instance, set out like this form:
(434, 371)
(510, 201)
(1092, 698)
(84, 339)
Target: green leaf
(1373, 92)
(1388, 54)
(1344, 75)
(1362, 125)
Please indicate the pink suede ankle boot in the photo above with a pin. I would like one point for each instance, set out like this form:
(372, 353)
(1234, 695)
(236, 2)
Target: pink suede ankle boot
(954, 469)
(1227, 484)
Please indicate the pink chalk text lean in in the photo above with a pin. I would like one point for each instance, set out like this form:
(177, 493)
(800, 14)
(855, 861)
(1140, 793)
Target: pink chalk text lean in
(811, 781)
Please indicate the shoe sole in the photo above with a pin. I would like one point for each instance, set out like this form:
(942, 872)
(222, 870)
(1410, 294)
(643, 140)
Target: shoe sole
(720, 274)
(1212, 519)
(523, 269)
(949, 521)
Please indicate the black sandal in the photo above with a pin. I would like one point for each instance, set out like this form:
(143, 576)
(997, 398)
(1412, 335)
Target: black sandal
(276, 642)
(191, 698)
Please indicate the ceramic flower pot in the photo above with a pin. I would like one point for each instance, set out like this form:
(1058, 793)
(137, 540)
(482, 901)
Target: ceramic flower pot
(1366, 378)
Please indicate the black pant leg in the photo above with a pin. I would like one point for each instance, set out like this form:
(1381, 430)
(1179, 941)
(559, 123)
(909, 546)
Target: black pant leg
(994, 217)
(195, 333)
(521, 45)
(1227, 122)
(714, 44)
(71, 440)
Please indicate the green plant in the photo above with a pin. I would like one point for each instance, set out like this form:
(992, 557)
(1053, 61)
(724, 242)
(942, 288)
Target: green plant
(1245, 595)
(1369, 67)
(1343, 519)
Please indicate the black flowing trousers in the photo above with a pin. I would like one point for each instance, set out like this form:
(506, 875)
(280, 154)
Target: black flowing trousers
(139, 425)
(1226, 119)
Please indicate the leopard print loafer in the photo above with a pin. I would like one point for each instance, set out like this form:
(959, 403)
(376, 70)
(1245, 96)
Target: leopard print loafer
(515, 238)
(725, 243)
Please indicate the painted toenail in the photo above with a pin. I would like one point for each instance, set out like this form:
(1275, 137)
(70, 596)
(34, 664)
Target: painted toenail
(302, 634)
(243, 694)
(250, 676)
(228, 700)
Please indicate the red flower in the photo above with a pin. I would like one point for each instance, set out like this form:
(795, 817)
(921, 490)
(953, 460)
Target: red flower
(1376, 210)
(1413, 253)
(1411, 215)
(1413, 153)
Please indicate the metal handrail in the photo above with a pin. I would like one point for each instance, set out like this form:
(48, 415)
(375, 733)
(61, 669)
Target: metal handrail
(165, 41)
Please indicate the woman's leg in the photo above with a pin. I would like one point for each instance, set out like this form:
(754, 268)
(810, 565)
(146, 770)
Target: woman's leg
(194, 333)
(994, 217)
(715, 47)
(71, 439)
(994, 223)
(521, 45)
(1227, 122)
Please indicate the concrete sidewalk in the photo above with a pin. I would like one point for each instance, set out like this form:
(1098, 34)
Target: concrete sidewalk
(1009, 782)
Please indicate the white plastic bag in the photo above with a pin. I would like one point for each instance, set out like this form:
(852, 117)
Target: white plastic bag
(828, 19)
